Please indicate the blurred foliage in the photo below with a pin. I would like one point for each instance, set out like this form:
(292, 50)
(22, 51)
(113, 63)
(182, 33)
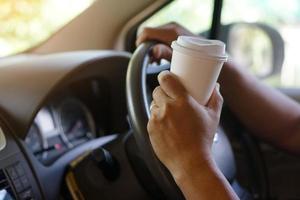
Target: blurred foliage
(252, 47)
(25, 23)
(272, 12)
(193, 14)
(284, 16)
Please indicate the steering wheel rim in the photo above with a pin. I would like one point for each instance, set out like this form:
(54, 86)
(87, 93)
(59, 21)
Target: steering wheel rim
(138, 108)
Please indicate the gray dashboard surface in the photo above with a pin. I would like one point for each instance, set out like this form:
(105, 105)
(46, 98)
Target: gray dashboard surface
(27, 82)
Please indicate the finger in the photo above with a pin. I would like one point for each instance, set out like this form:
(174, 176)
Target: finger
(161, 51)
(154, 111)
(215, 102)
(171, 85)
(161, 35)
(153, 105)
(160, 97)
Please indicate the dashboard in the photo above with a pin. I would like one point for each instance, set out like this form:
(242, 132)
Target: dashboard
(55, 108)
(66, 121)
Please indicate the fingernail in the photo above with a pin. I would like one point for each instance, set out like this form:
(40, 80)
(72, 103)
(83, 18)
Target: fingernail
(218, 86)
(162, 74)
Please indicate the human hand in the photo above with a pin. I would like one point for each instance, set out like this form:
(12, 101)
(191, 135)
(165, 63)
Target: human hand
(181, 130)
(164, 34)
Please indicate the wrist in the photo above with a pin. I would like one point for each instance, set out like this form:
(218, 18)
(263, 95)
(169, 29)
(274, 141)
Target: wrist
(188, 170)
(204, 182)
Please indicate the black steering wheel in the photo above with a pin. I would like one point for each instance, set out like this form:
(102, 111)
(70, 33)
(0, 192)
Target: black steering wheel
(138, 108)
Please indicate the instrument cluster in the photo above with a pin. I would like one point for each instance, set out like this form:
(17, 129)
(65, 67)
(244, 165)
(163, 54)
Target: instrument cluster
(60, 127)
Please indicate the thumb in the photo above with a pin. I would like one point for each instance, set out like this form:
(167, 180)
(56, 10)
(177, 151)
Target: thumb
(171, 84)
(215, 102)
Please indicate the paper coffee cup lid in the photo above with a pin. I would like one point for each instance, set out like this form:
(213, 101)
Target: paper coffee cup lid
(200, 47)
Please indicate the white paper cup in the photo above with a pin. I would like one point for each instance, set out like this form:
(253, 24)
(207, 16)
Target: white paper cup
(198, 62)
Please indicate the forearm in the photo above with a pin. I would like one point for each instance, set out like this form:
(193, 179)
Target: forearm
(263, 110)
(204, 182)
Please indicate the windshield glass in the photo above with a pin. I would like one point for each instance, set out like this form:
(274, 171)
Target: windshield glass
(284, 16)
(195, 15)
(26, 23)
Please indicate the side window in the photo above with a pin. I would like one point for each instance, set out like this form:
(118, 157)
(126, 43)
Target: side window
(193, 14)
(282, 16)
(26, 23)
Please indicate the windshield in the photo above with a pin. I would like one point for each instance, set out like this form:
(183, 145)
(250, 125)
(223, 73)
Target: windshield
(26, 23)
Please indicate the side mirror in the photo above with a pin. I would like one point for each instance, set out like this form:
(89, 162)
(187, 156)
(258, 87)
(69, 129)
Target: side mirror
(255, 45)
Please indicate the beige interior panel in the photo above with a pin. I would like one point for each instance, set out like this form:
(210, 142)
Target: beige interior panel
(98, 27)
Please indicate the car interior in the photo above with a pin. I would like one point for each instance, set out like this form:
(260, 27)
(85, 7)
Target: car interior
(89, 70)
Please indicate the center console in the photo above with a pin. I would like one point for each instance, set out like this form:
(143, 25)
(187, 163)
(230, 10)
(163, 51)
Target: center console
(17, 181)
(6, 191)
(14, 183)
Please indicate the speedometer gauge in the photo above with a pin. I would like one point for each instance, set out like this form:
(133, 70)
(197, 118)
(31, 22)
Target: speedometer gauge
(76, 121)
